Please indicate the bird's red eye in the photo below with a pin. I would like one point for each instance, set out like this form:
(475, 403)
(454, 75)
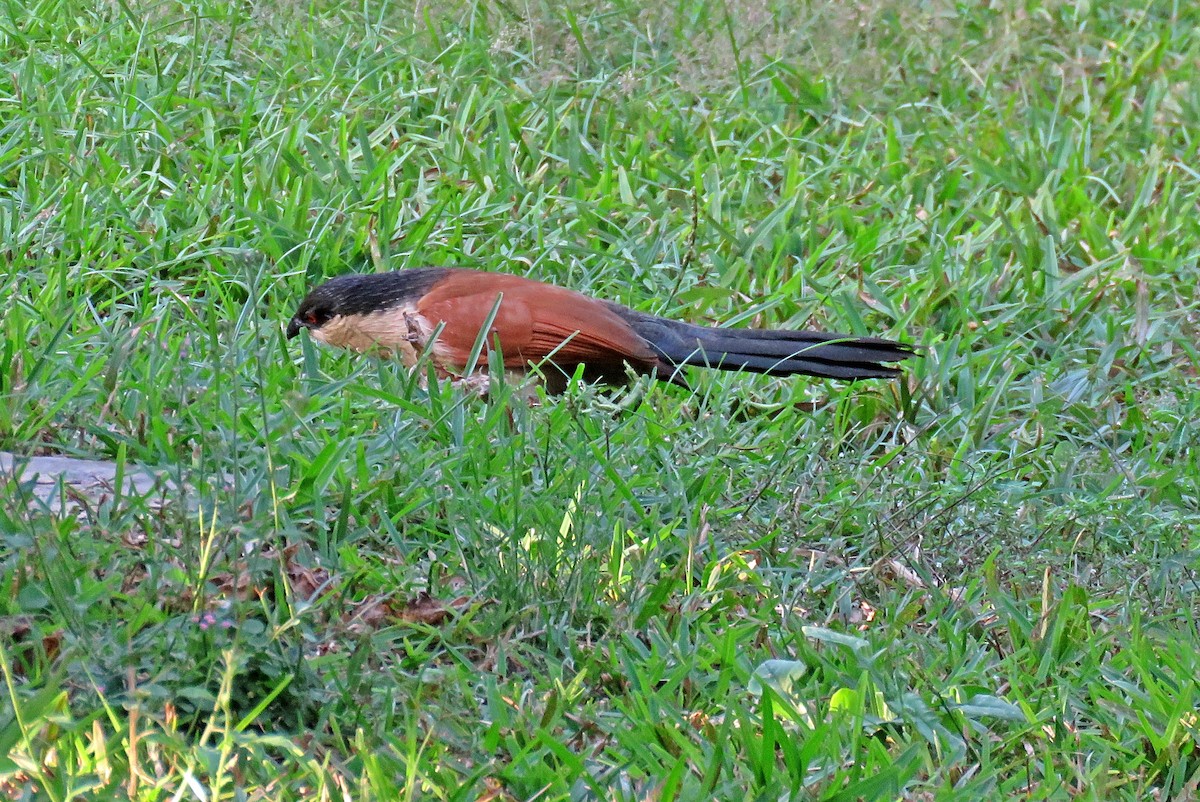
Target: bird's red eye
(310, 318)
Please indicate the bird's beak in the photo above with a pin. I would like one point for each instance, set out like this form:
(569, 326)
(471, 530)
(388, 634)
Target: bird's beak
(294, 326)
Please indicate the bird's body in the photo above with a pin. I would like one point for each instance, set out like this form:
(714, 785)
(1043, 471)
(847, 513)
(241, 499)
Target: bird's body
(536, 325)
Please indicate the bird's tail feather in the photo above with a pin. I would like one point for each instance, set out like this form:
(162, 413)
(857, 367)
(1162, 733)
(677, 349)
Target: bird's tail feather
(777, 352)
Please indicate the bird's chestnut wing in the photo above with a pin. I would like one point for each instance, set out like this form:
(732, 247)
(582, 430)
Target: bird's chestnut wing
(534, 321)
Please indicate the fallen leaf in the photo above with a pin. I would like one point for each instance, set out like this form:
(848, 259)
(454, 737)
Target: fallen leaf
(894, 570)
(425, 609)
(493, 791)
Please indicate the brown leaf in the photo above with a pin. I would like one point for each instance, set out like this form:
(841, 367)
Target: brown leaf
(307, 581)
(19, 632)
(493, 791)
(371, 613)
(861, 614)
(232, 584)
(52, 643)
(425, 609)
(893, 571)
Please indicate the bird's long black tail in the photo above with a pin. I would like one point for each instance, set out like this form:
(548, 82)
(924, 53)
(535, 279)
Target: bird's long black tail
(777, 352)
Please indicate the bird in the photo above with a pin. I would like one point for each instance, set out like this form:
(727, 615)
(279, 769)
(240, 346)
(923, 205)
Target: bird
(555, 331)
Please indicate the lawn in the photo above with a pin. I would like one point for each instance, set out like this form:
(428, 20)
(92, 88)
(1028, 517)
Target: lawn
(976, 582)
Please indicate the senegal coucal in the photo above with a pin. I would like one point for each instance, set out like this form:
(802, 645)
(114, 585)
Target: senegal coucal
(555, 330)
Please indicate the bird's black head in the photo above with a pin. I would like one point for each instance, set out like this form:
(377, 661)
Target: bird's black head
(362, 294)
(314, 312)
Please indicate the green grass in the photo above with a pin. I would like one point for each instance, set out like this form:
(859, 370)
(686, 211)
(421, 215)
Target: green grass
(976, 583)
